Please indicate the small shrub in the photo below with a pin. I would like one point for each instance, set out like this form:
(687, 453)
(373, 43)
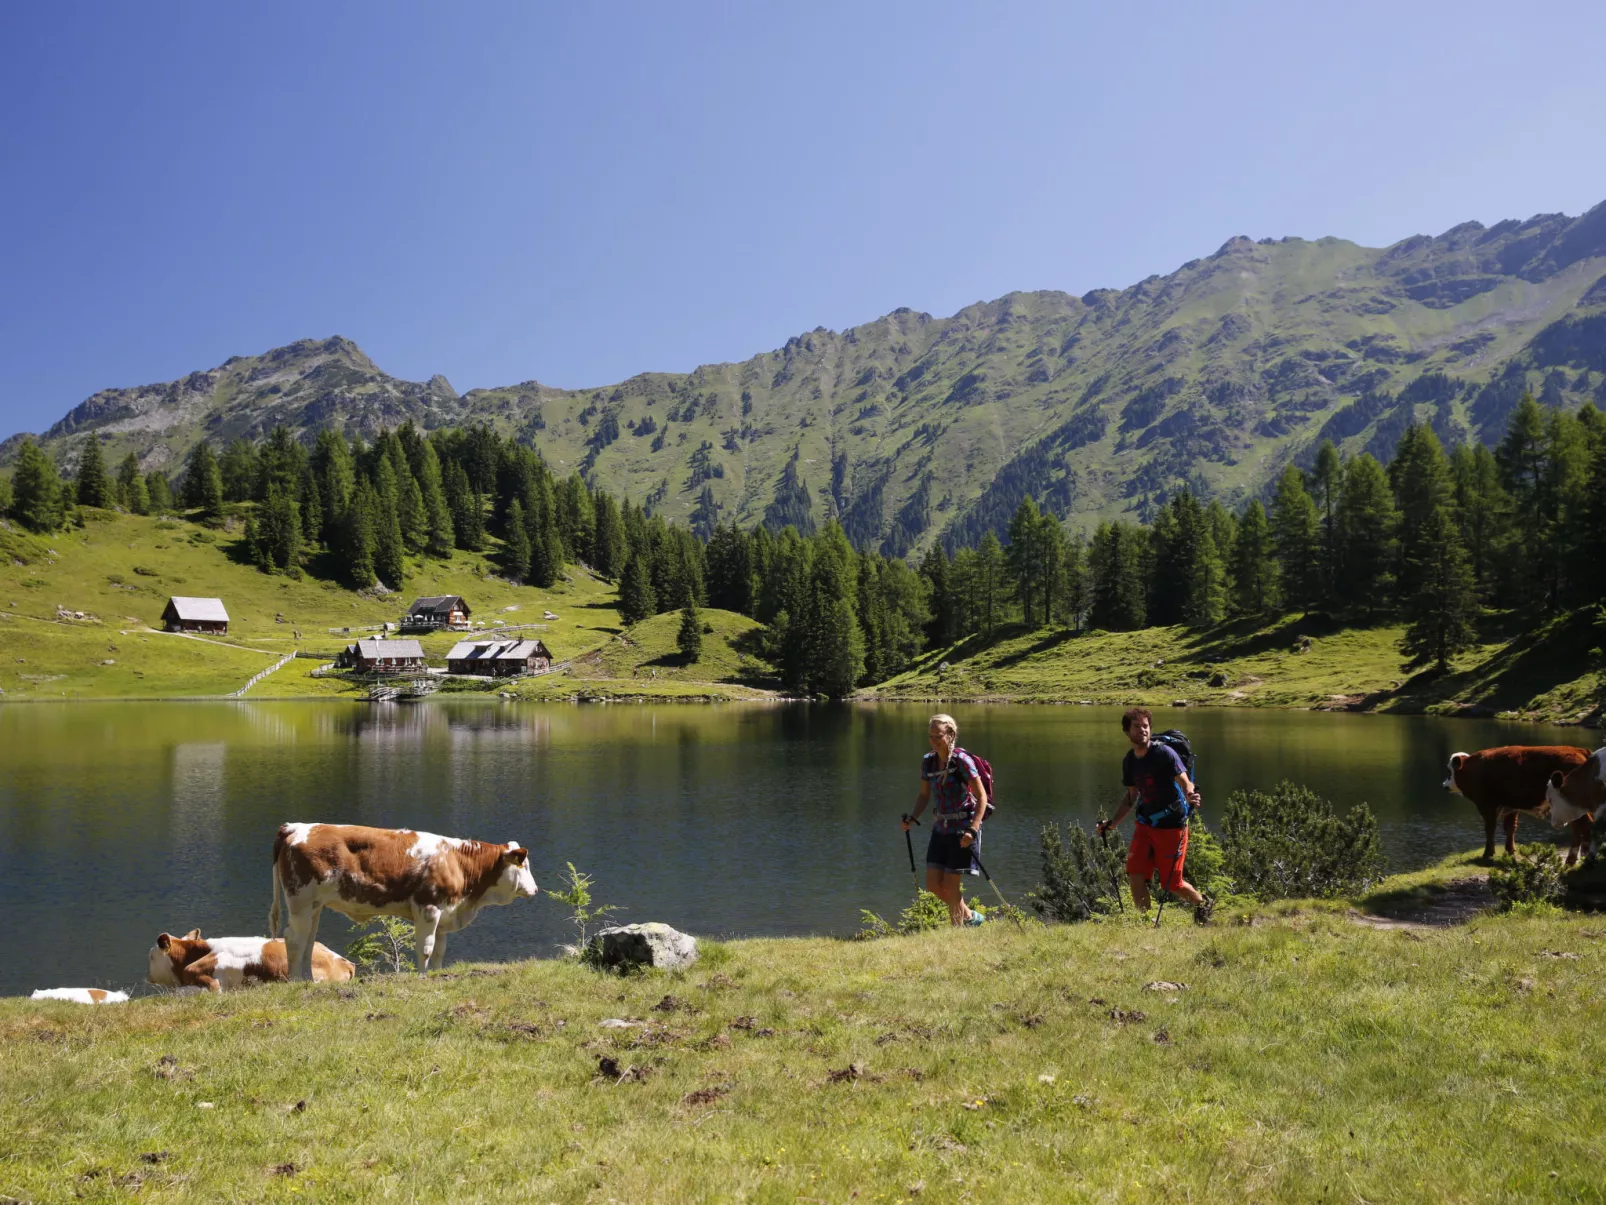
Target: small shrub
(1291, 844)
(927, 912)
(382, 946)
(146, 571)
(1081, 880)
(1532, 880)
(578, 900)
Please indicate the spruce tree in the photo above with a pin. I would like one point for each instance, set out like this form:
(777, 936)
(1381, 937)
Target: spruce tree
(312, 524)
(332, 465)
(131, 491)
(834, 642)
(94, 487)
(1254, 565)
(1025, 561)
(608, 545)
(412, 517)
(159, 491)
(989, 581)
(1073, 596)
(1483, 513)
(203, 484)
(358, 537)
(1365, 526)
(1296, 534)
(690, 637)
(1420, 477)
(1443, 604)
(636, 598)
(36, 490)
(438, 516)
(389, 560)
(936, 570)
(516, 548)
(1327, 484)
(239, 469)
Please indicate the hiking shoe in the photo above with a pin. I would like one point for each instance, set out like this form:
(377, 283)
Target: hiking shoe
(1203, 912)
(974, 919)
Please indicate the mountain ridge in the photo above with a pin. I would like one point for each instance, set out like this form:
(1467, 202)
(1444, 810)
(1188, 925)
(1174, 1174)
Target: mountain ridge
(911, 428)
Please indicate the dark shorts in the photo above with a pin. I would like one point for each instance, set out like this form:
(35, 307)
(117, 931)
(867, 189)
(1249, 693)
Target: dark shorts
(945, 853)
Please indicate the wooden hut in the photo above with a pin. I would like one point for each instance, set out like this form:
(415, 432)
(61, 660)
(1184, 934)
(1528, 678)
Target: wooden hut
(196, 615)
(383, 657)
(499, 658)
(438, 611)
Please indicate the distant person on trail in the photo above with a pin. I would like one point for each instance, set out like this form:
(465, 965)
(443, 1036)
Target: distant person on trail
(949, 775)
(1156, 780)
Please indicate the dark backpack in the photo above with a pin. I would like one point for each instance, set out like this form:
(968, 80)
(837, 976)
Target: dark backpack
(985, 769)
(1178, 744)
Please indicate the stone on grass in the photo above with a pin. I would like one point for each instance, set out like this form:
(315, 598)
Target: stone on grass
(651, 945)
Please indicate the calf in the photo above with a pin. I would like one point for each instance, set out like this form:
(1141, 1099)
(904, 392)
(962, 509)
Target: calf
(438, 883)
(232, 962)
(1579, 797)
(1502, 782)
(81, 995)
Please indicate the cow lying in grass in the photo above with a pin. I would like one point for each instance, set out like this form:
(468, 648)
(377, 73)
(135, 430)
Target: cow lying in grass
(437, 883)
(1511, 779)
(220, 963)
(81, 995)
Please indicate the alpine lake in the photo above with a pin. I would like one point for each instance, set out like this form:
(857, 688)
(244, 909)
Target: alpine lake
(121, 820)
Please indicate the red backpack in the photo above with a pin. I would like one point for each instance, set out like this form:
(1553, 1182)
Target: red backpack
(985, 768)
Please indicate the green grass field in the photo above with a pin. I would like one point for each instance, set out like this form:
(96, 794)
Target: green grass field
(1539, 675)
(1290, 1054)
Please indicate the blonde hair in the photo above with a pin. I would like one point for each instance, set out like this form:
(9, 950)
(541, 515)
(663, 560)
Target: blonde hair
(946, 722)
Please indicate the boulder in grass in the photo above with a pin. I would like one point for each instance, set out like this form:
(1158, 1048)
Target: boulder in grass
(625, 947)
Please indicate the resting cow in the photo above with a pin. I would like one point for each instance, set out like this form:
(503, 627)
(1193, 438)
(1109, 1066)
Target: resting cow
(438, 883)
(1579, 796)
(220, 963)
(81, 995)
(1502, 782)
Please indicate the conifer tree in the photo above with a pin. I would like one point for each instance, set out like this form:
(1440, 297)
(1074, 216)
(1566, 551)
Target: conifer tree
(94, 487)
(988, 582)
(1483, 513)
(312, 525)
(203, 484)
(411, 515)
(336, 474)
(389, 559)
(159, 491)
(131, 491)
(1116, 563)
(608, 551)
(36, 490)
(636, 599)
(278, 531)
(936, 569)
(1073, 596)
(239, 469)
(833, 640)
(1026, 560)
(689, 639)
(1440, 610)
(1420, 477)
(1327, 482)
(1297, 537)
(358, 538)
(1591, 506)
(1254, 565)
(516, 548)
(438, 516)
(1365, 525)
(730, 568)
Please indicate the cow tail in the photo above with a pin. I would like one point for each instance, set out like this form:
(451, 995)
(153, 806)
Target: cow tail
(275, 886)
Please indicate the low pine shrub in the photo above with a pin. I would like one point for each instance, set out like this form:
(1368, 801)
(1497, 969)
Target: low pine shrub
(1082, 874)
(1290, 844)
(382, 946)
(926, 913)
(1532, 878)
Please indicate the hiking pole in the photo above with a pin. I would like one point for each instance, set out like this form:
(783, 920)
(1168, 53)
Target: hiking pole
(1003, 903)
(910, 842)
(1115, 882)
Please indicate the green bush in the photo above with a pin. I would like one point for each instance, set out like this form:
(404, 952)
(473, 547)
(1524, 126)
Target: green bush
(1291, 844)
(1081, 879)
(926, 913)
(381, 946)
(1532, 878)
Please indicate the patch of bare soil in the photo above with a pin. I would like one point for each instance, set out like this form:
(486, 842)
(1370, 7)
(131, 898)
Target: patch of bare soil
(1455, 903)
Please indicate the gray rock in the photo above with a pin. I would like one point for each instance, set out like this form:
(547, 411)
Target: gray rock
(654, 944)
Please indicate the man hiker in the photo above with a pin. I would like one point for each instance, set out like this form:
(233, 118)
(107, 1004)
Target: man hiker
(949, 775)
(1156, 780)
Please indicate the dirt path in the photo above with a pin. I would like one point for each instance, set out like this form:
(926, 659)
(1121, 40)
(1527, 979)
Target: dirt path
(1455, 903)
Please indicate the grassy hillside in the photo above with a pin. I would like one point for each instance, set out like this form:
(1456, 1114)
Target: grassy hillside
(1295, 1055)
(120, 570)
(1295, 662)
(912, 426)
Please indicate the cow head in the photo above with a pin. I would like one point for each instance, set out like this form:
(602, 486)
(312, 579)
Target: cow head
(1456, 760)
(168, 954)
(516, 879)
(1580, 792)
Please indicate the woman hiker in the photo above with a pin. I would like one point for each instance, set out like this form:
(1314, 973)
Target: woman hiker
(949, 774)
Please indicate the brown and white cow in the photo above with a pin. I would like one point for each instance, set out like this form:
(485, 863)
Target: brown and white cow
(81, 995)
(1511, 779)
(219, 963)
(1579, 796)
(438, 883)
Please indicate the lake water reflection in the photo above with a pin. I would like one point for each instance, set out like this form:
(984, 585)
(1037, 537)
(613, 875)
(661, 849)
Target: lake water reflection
(119, 820)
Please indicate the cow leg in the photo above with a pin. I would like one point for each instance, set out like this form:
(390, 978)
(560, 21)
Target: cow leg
(425, 922)
(1490, 819)
(1580, 832)
(438, 959)
(1511, 833)
(300, 936)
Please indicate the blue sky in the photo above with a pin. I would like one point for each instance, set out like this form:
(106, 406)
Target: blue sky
(578, 192)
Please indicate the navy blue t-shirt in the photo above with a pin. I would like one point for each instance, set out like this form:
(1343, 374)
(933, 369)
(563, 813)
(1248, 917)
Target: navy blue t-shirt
(1161, 803)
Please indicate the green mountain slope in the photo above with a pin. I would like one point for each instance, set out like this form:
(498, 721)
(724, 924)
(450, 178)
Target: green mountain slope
(914, 428)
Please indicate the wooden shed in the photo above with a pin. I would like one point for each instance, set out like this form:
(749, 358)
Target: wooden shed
(196, 615)
(499, 658)
(383, 657)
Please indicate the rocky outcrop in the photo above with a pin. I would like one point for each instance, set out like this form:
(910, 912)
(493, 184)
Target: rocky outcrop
(626, 947)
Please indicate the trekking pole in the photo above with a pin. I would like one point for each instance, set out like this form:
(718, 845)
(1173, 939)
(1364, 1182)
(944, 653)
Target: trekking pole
(1003, 903)
(1115, 882)
(910, 842)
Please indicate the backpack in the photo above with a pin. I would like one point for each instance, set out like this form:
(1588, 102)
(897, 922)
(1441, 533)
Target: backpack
(1180, 745)
(985, 769)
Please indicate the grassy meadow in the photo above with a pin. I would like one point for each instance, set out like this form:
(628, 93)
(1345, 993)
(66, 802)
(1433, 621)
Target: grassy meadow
(1300, 661)
(1288, 1054)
